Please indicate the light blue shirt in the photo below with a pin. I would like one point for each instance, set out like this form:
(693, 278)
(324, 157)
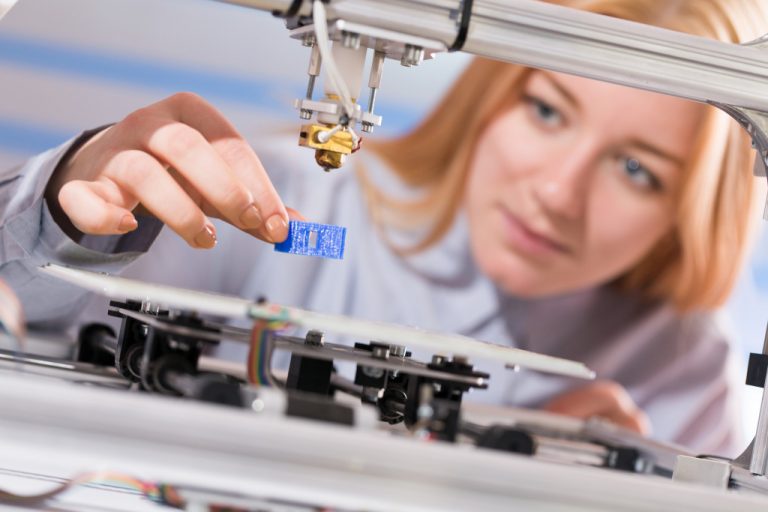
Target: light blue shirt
(676, 368)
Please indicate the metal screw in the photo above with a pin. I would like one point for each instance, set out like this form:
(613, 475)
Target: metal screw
(397, 350)
(308, 40)
(380, 352)
(412, 55)
(367, 127)
(148, 307)
(305, 114)
(438, 359)
(314, 338)
(350, 40)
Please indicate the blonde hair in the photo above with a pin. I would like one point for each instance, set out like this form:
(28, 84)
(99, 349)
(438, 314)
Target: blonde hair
(693, 266)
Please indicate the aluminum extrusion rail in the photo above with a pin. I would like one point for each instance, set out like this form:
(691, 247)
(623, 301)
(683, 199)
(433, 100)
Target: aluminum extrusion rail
(563, 39)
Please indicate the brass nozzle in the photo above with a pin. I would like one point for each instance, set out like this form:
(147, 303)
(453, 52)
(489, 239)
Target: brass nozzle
(332, 153)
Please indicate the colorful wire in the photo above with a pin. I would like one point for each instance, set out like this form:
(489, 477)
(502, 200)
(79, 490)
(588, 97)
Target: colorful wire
(260, 352)
(159, 493)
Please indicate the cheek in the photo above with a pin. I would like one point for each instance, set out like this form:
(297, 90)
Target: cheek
(623, 229)
(496, 175)
(507, 151)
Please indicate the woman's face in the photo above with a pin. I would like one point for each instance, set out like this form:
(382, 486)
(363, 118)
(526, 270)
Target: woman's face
(575, 184)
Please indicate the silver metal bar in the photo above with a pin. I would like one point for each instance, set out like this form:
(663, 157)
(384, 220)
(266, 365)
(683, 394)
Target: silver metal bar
(54, 426)
(70, 370)
(759, 460)
(567, 40)
(619, 51)
(377, 69)
(757, 465)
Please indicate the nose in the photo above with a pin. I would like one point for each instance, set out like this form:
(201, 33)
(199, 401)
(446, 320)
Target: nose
(563, 187)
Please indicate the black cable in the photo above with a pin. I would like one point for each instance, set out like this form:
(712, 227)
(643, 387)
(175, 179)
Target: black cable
(291, 11)
(294, 9)
(461, 34)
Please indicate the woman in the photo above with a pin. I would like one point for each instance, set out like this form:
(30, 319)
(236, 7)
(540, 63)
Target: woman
(602, 223)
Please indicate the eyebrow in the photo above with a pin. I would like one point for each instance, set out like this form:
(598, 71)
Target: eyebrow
(639, 144)
(570, 98)
(650, 148)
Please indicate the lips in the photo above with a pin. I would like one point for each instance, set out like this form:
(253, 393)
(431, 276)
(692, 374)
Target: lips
(529, 241)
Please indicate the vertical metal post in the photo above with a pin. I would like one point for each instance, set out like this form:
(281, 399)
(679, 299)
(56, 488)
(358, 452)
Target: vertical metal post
(757, 465)
(374, 82)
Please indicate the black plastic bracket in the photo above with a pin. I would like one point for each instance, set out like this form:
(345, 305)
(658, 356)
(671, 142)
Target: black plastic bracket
(757, 369)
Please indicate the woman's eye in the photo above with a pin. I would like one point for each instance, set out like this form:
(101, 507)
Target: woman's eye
(638, 174)
(543, 112)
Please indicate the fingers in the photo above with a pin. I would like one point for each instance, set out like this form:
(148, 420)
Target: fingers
(240, 159)
(190, 154)
(213, 172)
(91, 213)
(134, 176)
(603, 399)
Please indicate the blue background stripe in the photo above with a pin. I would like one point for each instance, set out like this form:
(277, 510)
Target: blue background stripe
(125, 70)
(22, 138)
(165, 78)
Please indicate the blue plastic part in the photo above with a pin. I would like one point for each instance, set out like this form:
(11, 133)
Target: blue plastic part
(313, 239)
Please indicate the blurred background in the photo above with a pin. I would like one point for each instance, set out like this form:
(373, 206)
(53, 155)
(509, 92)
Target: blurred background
(69, 66)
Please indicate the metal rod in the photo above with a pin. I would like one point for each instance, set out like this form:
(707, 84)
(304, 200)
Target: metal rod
(65, 367)
(310, 86)
(372, 100)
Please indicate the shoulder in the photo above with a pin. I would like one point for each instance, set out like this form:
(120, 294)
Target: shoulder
(656, 336)
(659, 322)
(622, 334)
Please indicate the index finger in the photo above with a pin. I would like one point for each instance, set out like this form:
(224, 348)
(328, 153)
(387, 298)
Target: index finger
(240, 157)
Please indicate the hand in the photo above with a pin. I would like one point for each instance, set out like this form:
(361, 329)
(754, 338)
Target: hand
(604, 399)
(181, 161)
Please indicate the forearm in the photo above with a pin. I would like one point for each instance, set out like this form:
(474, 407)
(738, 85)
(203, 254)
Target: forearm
(30, 237)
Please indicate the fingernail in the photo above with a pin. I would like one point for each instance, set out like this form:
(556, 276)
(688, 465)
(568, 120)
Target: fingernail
(251, 218)
(127, 223)
(206, 239)
(277, 228)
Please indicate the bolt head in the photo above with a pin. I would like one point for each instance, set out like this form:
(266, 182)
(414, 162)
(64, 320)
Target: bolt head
(397, 350)
(308, 40)
(350, 40)
(314, 338)
(380, 352)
